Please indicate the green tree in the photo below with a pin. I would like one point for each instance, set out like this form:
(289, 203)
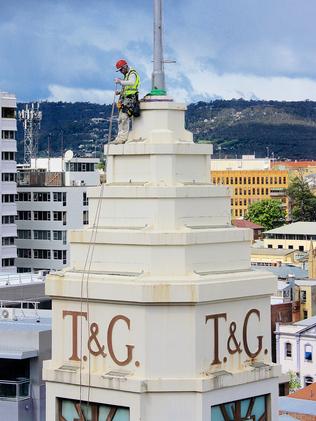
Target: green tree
(294, 382)
(268, 213)
(302, 200)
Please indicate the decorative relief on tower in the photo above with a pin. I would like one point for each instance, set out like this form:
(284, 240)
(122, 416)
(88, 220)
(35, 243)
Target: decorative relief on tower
(236, 336)
(100, 338)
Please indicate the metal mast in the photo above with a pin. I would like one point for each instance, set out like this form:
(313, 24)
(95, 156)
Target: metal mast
(31, 118)
(158, 75)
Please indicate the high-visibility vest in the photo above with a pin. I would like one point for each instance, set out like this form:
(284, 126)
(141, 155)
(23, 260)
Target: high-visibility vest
(131, 89)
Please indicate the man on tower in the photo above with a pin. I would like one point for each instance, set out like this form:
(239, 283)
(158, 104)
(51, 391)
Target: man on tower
(128, 103)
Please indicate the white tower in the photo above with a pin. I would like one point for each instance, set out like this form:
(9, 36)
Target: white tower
(159, 316)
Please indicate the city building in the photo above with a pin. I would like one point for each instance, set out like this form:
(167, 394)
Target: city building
(296, 349)
(25, 342)
(51, 200)
(251, 180)
(273, 257)
(173, 323)
(8, 181)
(295, 236)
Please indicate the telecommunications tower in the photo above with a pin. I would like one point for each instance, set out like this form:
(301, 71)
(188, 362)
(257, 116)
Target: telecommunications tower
(31, 117)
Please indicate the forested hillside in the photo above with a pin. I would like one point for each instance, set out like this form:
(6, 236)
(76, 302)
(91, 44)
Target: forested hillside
(284, 129)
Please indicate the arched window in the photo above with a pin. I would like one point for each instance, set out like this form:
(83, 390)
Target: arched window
(288, 350)
(308, 380)
(308, 353)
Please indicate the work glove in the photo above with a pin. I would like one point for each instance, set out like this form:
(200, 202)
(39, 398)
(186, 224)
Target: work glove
(117, 80)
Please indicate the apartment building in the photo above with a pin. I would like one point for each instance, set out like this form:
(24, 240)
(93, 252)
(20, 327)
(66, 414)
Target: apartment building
(8, 181)
(251, 180)
(51, 200)
(295, 236)
(296, 349)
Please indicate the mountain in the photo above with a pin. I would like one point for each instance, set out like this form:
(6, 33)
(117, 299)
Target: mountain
(235, 127)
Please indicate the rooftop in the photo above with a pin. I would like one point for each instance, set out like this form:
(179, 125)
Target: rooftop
(308, 393)
(300, 406)
(243, 223)
(10, 279)
(305, 228)
(306, 322)
(284, 271)
(271, 252)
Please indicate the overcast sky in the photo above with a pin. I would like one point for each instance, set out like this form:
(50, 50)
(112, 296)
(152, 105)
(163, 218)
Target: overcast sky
(66, 49)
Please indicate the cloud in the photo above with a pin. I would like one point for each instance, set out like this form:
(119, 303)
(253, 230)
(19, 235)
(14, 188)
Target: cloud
(66, 94)
(223, 48)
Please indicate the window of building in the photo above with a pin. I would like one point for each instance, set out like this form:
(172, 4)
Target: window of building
(8, 198)
(60, 255)
(60, 216)
(24, 215)
(8, 219)
(24, 253)
(82, 167)
(280, 180)
(288, 350)
(280, 246)
(85, 199)
(7, 262)
(41, 215)
(267, 191)
(41, 234)
(8, 112)
(284, 180)
(8, 156)
(291, 247)
(60, 197)
(41, 254)
(308, 353)
(85, 217)
(308, 380)
(24, 234)
(270, 246)
(301, 248)
(60, 236)
(8, 176)
(41, 196)
(23, 270)
(8, 134)
(305, 314)
(24, 197)
(303, 296)
(8, 241)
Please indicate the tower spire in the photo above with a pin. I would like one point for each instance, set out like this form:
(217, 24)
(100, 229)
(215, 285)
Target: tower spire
(158, 75)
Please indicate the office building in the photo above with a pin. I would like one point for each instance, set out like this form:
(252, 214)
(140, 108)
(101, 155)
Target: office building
(8, 181)
(25, 342)
(295, 236)
(51, 200)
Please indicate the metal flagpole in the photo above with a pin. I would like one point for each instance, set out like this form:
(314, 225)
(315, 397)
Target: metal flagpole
(158, 75)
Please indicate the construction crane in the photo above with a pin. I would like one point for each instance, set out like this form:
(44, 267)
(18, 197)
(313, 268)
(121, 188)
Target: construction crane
(31, 118)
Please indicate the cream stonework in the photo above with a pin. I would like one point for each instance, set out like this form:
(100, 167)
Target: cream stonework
(170, 321)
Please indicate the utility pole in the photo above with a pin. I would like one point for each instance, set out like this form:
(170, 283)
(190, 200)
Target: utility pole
(158, 75)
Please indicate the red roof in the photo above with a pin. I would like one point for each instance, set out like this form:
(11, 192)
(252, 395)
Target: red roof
(307, 393)
(243, 223)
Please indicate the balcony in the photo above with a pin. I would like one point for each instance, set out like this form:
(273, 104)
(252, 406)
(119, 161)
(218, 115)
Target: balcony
(37, 178)
(14, 390)
(278, 192)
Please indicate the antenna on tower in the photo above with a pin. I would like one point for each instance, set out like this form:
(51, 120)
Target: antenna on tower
(158, 75)
(31, 118)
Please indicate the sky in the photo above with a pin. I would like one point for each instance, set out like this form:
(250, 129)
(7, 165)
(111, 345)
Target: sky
(65, 50)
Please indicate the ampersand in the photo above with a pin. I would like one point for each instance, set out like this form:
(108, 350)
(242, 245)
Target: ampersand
(94, 330)
(232, 337)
